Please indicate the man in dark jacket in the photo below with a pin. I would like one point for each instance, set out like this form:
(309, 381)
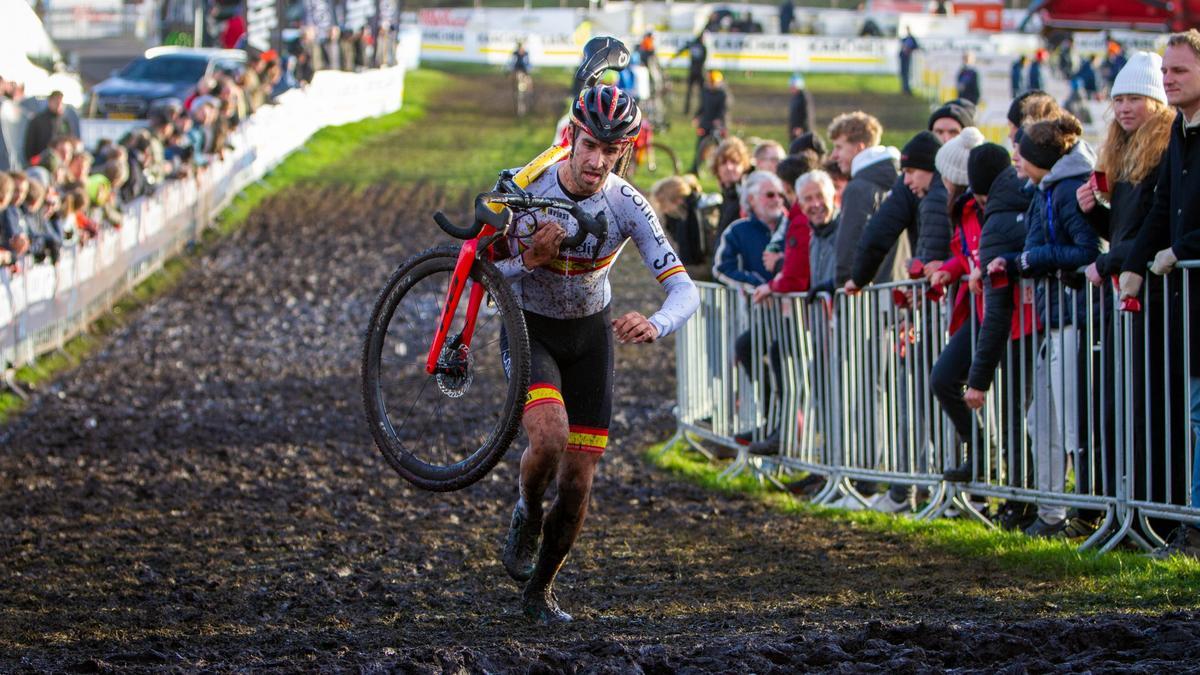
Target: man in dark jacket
(872, 169)
(46, 125)
(1017, 75)
(1171, 230)
(921, 212)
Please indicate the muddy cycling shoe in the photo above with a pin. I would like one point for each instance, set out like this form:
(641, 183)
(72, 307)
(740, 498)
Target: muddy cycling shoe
(542, 607)
(521, 544)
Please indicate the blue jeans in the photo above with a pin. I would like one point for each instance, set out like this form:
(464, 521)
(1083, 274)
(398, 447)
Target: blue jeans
(1195, 386)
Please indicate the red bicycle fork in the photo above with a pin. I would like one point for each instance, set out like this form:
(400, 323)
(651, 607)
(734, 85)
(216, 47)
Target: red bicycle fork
(462, 274)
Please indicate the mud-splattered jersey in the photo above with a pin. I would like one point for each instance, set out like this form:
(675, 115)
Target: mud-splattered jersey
(576, 284)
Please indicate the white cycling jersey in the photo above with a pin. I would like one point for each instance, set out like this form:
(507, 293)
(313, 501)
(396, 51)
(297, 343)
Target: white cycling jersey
(575, 284)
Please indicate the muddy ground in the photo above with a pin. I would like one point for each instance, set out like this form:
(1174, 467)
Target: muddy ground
(202, 494)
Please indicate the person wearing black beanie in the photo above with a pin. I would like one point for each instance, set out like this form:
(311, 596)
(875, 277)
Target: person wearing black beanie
(919, 152)
(984, 163)
(807, 141)
(951, 118)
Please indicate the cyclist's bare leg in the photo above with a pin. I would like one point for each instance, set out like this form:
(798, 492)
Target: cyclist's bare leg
(562, 525)
(546, 427)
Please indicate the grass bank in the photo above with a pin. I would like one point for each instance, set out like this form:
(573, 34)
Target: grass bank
(1079, 581)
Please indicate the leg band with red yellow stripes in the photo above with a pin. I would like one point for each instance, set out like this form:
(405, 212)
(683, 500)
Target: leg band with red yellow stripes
(543, 393)
(587, 439)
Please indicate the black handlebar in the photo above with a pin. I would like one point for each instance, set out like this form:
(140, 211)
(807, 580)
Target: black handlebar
(596, 226)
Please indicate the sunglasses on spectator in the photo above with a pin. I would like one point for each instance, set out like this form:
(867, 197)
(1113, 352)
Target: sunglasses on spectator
(770, 194)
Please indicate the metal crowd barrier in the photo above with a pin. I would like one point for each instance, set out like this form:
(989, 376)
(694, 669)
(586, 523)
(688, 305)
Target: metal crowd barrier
(1083, 413)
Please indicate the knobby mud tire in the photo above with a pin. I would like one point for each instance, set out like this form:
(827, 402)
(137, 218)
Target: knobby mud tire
(433, 477)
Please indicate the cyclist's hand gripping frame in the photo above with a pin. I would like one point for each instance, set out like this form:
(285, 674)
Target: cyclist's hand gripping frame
(492, 219)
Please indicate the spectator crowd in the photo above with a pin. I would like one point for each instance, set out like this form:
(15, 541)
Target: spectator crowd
(67, 193)
(971, 220)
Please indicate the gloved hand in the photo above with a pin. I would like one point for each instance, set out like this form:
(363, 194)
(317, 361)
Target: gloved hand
(1164, 261)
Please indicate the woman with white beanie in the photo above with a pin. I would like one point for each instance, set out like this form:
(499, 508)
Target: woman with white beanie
(1126, 173)
(966, 217)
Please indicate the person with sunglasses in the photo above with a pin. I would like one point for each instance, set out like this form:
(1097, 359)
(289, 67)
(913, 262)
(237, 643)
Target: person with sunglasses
(740, 264)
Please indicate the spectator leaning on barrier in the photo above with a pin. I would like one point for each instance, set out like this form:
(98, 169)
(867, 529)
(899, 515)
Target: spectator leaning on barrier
(1008, 321)
(730, 164)
(949, 373)
(1129, 160)
(1058, 242)
(10, 245)
(1171, 230)
(873, 169)
(787, 252)
(740, 264)
(739, 257)
(818, 197)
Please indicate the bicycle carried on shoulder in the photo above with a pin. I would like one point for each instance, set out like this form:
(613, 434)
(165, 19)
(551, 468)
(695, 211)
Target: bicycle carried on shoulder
(444, 381)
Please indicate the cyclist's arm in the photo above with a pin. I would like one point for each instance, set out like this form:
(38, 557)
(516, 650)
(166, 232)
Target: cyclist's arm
(641, 225)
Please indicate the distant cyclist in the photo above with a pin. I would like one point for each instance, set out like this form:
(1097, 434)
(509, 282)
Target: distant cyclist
(566, 300)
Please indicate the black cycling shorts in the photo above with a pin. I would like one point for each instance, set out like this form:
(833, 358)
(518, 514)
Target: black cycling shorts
(571, 365)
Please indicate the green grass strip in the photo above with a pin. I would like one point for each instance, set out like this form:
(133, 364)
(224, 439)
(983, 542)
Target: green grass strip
(1084, 581)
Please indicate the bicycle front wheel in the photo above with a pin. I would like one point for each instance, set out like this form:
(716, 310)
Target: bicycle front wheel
(446, 430)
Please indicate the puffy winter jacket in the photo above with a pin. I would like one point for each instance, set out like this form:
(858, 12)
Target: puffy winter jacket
(1059, 240)
(873, 172)
(795, 276)
(739, 255)
(933, 242)
(1003, 231)
(964, 256)
(898, 213)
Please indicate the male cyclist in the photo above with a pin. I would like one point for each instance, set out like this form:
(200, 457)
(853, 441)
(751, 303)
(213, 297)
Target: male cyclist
(565, 296)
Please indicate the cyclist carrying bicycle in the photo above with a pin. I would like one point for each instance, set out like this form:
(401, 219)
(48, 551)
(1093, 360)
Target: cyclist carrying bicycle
(565, 297)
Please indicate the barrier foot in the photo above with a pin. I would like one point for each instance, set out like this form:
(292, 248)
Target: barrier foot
(1151, 536)
(766, 469)
(826, 493)
(737, 466)
(10, 381)
(1102, 531)
(964, 505)
(936, 499)
(1125, 531)
(678, 436)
